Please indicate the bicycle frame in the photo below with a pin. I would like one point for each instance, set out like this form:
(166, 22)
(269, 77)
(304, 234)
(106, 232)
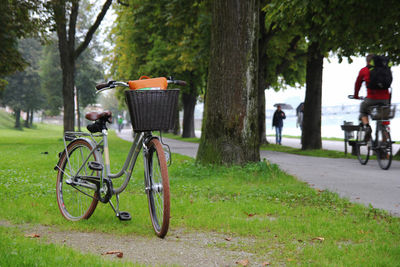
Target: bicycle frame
(104, 160)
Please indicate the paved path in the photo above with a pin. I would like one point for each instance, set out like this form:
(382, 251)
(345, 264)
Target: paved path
(362, 184)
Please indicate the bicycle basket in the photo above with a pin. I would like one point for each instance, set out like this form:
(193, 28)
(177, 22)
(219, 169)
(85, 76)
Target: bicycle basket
(152, 110)
(383, 112)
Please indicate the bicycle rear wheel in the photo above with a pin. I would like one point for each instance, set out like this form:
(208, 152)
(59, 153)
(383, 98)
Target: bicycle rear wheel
(157, 187)
(362, 148)
(384, 148)
(75, 200)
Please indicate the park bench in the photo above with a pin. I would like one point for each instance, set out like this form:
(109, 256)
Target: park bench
(349, 130)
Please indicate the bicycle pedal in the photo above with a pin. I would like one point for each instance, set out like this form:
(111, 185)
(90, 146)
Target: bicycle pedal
(95, 166)
(124, 216)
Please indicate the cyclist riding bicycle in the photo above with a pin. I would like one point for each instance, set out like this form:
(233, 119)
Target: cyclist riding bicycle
(374, 97)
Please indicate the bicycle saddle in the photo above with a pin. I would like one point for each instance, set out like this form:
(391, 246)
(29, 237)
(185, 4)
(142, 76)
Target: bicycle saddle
(94, 116)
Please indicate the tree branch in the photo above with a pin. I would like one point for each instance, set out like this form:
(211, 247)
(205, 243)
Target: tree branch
(122, 3)
(93, 29)
(72, 24)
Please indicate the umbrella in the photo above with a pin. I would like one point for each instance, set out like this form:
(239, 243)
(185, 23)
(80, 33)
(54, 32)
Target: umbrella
(283, 106)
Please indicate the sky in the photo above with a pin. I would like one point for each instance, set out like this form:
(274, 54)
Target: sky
(337, 83)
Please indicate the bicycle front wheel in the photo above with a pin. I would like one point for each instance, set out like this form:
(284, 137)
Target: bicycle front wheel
(76, 200)
(157, 187)
(362, 148)
(384, 148)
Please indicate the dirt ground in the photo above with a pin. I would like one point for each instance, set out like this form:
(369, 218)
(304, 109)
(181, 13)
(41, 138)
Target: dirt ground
(179, 248)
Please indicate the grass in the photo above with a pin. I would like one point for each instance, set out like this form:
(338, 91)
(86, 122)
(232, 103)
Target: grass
(6, 121)
(17, 250)
(314, 152)
(287, 222)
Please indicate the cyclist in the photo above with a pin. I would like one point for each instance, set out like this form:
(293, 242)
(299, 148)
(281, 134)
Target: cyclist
(374, 96)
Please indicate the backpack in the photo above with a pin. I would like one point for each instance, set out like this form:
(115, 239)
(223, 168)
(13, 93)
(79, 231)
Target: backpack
(380, 73)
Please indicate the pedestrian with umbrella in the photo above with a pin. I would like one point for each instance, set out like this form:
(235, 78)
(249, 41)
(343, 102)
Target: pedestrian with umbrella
(277, 122)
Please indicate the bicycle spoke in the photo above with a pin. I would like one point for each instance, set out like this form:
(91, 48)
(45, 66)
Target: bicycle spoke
(158, 193)
(74, 200)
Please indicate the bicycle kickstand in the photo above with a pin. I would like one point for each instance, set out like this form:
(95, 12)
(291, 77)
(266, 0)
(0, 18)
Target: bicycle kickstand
(122, 215)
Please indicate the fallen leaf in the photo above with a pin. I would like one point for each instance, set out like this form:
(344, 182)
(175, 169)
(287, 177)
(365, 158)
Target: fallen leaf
(244, 262)
(319, 238)
(290, 259)
(228, 238)
(250, 214)
(33, 235)
(118, 253)
(266, 263)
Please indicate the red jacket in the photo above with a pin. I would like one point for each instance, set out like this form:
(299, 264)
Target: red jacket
(363, 76)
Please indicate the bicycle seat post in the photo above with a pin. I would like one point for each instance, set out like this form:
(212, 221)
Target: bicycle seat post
(106, 154)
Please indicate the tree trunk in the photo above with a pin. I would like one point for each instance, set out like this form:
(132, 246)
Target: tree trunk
(17, 118)
(78, 113)
(68, 94)
(189, 103)
(26, 123)
(311, 134)
(31, 119)
(230, 133)
(262, 49)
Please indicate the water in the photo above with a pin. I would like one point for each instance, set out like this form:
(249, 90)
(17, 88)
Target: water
(332, 118)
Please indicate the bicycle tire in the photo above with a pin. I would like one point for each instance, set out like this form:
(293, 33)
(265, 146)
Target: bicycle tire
(362, 149)
(157, 187)
(384, 148)
(73, 204)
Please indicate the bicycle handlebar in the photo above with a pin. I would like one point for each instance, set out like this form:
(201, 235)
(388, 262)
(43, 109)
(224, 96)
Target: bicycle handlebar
(177, 82)
(359, 98)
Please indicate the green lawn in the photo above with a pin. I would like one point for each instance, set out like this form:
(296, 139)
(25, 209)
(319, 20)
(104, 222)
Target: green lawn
(291, 223)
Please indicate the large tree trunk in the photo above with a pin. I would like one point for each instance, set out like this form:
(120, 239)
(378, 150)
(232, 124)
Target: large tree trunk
(262, 53)
(230, 125)
(189, 103)
(311, 134)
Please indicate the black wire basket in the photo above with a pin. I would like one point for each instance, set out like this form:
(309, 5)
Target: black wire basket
(152, 110)
(383, 112)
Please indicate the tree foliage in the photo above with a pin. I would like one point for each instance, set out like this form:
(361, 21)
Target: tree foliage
(88, 73)
(163, 38)
(16, 22)
(345, 27)
(23, 92)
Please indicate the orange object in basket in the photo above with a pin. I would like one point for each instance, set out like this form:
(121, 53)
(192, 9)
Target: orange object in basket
(145, 82)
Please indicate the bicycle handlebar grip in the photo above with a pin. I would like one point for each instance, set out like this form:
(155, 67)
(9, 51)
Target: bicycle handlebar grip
(179, 82)
(101, 86)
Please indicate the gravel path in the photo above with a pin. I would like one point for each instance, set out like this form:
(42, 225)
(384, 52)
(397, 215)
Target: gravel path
(179, 248)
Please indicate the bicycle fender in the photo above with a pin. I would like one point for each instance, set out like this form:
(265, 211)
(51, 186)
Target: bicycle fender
(62, 153)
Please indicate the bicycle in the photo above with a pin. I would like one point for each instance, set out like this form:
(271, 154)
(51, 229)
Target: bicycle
(382, 143)
(84, 177)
